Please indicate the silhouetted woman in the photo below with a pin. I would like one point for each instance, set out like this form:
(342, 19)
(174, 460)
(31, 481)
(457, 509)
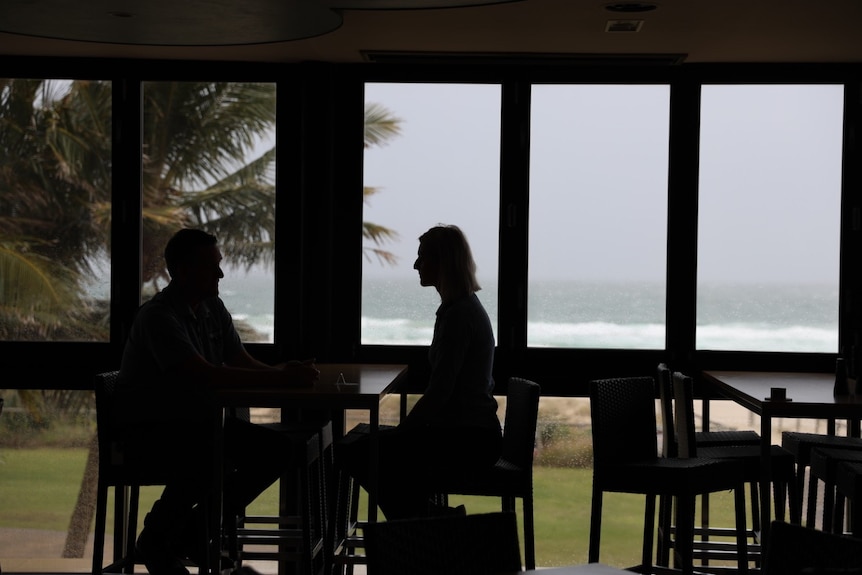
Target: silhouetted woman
(453, 428)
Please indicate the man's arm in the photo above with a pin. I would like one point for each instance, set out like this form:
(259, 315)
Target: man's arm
(246, 371)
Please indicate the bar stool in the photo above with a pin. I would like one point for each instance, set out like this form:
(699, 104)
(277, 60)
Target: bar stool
(625, 460)
(848, 484)
(702, 439)
(298, 534)
(126, 463)
(824, 467)
(749, 456)
(801, 444)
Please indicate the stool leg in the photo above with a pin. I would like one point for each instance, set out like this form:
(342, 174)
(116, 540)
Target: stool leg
(665, 520)
(649, 525)
(811, 512)
(595, 525)
(684, 542)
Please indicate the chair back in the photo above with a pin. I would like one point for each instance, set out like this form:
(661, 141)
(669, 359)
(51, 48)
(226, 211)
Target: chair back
(105, 385)
(480, 544)
(797, 550)
(135, 453)
(622, 413)
(683, 395)
(519, 428)
(665, 395)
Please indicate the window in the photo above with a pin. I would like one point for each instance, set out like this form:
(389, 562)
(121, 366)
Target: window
(55, 209)
(209, 162)
(432, 157)
(769, 218)
(598, 204)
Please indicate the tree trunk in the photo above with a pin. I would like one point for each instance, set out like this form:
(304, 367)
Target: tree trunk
(85, 507)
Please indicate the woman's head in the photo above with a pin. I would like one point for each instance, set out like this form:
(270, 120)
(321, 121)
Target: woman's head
(446, 262)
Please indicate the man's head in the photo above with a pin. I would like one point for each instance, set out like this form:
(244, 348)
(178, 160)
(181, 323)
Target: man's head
(193, 261)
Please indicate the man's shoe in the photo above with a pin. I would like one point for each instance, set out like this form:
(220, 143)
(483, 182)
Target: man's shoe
(155, 552)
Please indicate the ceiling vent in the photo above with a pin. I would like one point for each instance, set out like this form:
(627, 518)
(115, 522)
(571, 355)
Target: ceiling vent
(624, 26)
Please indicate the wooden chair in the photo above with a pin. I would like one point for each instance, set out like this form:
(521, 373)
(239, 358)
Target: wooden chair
(626, 460)
(512, 476)
(480, 544)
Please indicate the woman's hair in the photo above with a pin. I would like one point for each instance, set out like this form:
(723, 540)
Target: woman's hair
(447, 246)
(182, 247)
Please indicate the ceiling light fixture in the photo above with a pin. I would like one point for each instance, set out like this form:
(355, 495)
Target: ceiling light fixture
(411, 4)
(168, 22)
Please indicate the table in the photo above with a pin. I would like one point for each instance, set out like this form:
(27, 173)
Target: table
(340, 387)
(809, 396)
(586, 569)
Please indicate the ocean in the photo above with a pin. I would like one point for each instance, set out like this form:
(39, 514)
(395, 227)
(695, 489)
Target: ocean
(571, 314)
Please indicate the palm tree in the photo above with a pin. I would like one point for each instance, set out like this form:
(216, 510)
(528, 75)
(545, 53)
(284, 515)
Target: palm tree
(380, 127)
(55, 153)
(197, 136)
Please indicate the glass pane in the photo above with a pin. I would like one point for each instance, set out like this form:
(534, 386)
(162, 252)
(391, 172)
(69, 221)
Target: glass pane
(769, 218)
(46, 507)
(209, 162)
(598, 203)
(432, 156)
(55, 209)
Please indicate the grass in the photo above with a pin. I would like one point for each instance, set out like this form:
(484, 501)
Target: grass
(40, 487)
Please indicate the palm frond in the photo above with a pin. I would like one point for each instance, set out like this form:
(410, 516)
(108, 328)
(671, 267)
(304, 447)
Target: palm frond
(380, 125)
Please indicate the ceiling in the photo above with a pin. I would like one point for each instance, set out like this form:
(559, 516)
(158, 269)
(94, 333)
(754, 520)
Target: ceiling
(803, 31)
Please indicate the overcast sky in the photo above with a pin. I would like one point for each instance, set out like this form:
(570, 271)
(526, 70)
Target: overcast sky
(599, 177)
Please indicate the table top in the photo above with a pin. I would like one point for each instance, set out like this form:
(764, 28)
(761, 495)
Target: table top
(348, 385)
(808, 394)
(586, 569)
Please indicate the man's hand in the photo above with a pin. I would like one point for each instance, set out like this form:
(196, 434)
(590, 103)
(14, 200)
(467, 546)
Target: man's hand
(303, 373)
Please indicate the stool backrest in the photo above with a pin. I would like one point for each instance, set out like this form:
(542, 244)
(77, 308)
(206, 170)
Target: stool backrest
(665, 394)
(622, 413)
(522, 414)
(683, 396)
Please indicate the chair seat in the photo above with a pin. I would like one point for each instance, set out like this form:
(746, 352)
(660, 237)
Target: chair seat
(725, 438)
(800, 444)
(671, 476)
(783, 462)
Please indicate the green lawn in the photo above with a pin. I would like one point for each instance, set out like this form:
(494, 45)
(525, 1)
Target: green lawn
(40, 486)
